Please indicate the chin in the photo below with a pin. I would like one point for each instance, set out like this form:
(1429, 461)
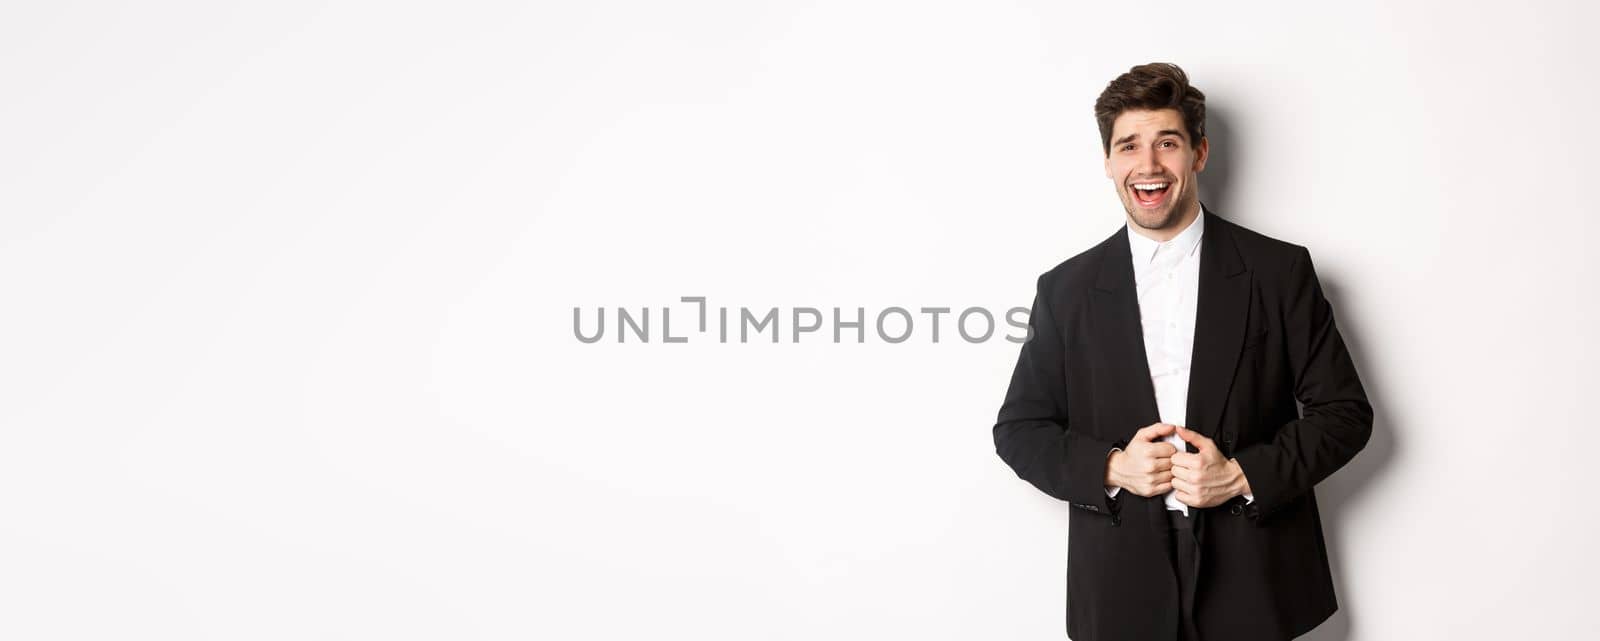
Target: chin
(1154, 219)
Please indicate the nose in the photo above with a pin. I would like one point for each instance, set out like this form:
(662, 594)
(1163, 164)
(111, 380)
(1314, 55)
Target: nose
(1149, 162)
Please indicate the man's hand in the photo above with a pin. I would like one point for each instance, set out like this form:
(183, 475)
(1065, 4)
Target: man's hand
(1204, 478)
(1145, 466)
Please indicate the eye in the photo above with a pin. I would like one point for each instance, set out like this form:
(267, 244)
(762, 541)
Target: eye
(1169, 143)
(1127, 146)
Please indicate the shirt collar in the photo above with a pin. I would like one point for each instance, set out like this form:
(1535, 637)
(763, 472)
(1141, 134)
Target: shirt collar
(1144, 249)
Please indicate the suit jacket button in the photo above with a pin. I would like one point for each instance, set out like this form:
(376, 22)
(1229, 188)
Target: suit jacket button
(1236, 509)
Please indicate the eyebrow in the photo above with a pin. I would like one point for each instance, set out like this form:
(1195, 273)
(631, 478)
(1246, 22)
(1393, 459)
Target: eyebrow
(1163, 132)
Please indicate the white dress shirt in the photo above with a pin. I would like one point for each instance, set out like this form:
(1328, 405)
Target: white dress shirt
(1167, 277)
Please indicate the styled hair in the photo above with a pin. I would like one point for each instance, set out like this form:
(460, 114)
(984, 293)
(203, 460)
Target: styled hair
(1158, 85)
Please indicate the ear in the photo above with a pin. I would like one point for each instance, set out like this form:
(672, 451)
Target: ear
(1202, 152)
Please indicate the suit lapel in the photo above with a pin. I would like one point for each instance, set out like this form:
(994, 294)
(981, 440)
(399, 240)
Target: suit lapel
(1114, 318)
(1220, 315)
(1118, 339)
(1219, 326)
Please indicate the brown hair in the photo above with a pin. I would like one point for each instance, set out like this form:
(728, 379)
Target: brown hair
(1158, 85)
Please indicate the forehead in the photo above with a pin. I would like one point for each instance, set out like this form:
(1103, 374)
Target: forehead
(1146, 121)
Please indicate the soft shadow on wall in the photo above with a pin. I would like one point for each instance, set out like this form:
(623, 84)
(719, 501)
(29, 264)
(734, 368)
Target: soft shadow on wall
(1338, 492)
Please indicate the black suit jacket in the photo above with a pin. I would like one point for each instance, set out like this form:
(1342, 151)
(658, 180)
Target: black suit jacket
(1264, 338)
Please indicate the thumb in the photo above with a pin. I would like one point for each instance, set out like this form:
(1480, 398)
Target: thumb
(1191, 436)
(1154, 431)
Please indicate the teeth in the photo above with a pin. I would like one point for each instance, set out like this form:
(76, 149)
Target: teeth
(1151, 187)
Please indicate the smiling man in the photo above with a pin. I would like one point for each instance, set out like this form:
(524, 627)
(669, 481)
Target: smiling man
(1156, 396)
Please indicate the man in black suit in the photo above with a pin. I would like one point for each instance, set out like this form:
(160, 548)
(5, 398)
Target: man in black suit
(1156, 395)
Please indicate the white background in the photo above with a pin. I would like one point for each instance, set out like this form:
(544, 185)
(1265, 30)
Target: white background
(286, 348)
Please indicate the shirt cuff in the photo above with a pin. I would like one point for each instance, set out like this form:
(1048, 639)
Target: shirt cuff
(1249, 498)
(1112, 490)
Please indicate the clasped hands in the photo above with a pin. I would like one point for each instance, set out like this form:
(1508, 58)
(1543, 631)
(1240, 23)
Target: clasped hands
(1149, 466)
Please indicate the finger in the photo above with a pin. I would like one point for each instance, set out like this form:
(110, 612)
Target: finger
(1154, 431)
(1199, 440)
(1154, 449)
(1164, 449)
(1182, 485)
(1181, 473)
(1144, 432)
(1184, 459)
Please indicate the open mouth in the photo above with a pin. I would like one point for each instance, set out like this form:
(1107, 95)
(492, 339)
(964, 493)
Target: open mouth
(1151, 194)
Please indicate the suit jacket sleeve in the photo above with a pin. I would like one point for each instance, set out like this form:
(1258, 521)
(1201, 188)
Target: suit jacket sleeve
(1336, 420)
(1032, 433)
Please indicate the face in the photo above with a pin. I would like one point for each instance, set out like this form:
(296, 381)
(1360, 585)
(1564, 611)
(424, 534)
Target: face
(1152, 148)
